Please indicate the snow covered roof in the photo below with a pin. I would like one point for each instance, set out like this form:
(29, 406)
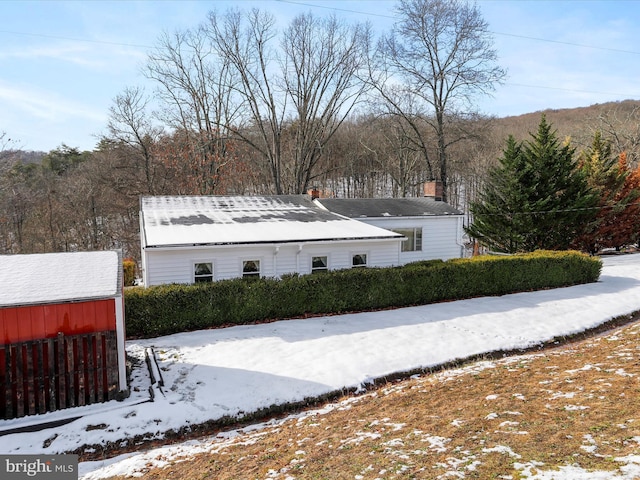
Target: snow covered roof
(59, 277)
(387, 207)
(226, 220)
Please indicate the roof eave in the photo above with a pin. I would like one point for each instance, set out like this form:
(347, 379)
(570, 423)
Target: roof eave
(272, 242)
(430, 215)
(58, 301)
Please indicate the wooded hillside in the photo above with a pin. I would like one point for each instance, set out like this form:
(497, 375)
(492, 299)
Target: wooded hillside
(72, 200)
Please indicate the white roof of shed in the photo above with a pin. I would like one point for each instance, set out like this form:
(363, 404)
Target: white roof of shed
(226, 220)
(59, 277)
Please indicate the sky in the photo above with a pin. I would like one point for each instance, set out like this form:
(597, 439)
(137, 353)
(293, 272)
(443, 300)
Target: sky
(63, 62)
(210, 374)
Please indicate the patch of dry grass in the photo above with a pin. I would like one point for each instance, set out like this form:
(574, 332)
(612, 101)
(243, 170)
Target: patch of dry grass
(574, 405)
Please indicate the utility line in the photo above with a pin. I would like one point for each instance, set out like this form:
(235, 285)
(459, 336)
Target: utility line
(337, 9)
(607, 49)
(312, 5)
(59, 37)
(569, 89)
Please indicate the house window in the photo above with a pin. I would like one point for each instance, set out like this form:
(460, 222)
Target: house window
(413, 243)
(203, 272)
(319, 264)
(359, 260)
(251, 268)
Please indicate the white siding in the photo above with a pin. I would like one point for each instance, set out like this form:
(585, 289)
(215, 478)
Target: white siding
(441, 238)
(339, 254)
(167, 267)
(176, 265)
(441, 235)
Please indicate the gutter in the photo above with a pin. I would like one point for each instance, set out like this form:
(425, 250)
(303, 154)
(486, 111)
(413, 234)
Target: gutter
(271, 243)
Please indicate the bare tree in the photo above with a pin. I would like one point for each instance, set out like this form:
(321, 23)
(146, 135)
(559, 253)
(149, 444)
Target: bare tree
(245, 41)
(16, 201)
(8, 152)
(354, 163)
(322, 58)
(399, 163)
(133, 135)
(299, 91)
(7, 144)
(196, 88)
(429, 69)
(404, 161)
(621, 124)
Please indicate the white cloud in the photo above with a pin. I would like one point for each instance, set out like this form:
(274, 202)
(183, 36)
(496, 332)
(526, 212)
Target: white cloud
(98, 56)
(45, 105)
(78, 54)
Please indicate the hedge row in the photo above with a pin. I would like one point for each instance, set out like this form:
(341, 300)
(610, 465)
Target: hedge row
(167, 309)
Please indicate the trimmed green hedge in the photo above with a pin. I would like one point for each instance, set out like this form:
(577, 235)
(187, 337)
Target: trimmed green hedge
(167, 309)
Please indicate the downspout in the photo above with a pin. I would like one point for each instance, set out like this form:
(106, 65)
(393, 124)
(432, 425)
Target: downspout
(143, 248)
(298, 258)
(276, 250)
(459, 231)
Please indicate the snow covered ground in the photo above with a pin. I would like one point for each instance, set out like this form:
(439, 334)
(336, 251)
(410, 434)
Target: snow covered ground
(226, 372)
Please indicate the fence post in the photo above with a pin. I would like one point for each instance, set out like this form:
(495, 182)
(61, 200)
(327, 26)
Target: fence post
(55, 373)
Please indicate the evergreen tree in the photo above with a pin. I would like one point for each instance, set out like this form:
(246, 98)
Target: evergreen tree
(536, 198)
(64, 159)
(607, 177)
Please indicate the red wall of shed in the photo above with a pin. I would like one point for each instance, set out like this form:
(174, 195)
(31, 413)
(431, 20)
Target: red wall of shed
(34, 322)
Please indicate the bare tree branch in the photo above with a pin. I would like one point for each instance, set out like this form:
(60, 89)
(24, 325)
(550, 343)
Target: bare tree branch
(440, 55)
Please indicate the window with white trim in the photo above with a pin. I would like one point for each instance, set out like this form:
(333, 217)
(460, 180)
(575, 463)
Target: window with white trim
(319, 264)
(359, 260)
(251, 268)
(203, 272)
(413, 243)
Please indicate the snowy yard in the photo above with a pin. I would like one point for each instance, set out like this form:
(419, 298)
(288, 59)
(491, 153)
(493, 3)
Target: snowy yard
(227, 372)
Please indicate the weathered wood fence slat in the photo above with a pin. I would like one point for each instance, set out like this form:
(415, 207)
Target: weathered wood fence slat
(55, 373)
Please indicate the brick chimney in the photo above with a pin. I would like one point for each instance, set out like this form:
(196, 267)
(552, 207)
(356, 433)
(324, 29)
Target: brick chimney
(314, 192)
(433, 189)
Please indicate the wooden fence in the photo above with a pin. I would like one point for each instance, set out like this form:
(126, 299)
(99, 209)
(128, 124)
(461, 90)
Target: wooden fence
(51, 374)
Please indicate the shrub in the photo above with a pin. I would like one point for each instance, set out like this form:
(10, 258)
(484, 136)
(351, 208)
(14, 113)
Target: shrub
(129, 272)
(167, 309)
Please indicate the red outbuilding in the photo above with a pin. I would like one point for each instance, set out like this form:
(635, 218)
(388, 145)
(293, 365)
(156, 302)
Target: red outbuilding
(61, 331)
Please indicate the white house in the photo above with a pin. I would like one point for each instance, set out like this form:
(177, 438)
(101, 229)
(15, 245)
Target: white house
(432, 228)
(188, 239)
